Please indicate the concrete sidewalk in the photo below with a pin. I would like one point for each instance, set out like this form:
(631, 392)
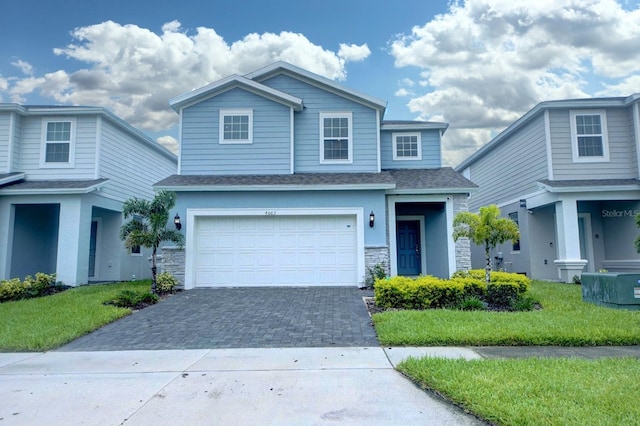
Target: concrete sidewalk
(267, 386)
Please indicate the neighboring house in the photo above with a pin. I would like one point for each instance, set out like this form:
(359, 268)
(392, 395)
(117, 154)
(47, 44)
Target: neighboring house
(567, 172)
(64, 175)
(288, 178)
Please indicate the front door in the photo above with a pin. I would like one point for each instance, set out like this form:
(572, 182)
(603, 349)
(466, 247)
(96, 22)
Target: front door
(408, 247)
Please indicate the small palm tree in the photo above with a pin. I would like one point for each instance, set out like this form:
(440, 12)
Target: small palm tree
(148, 226)
(485, 228)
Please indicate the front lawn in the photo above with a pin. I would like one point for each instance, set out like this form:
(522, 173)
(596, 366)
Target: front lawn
(536, 391)
(46, 323)
(565, 320)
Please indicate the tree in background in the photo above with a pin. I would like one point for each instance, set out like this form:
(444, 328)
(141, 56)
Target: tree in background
(148, 225)
(487, 229)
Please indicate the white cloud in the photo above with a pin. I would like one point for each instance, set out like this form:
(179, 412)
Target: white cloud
(402, 92)
(134, 71)
(169, 142)
(486, 62)
(25, 67)
(353, 52)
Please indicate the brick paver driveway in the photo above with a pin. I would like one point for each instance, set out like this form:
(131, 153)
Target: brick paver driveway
(259, 317)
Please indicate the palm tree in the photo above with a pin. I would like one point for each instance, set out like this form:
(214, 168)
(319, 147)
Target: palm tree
(485, 228)
(148, 226)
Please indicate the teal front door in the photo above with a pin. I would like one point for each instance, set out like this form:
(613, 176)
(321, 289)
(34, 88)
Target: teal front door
(408, 247)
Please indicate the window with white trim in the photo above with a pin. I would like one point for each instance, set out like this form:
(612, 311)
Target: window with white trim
(407, 146)
(589, 140)
(335, 137)
(516, 244)
(58, 140)
(236, 126)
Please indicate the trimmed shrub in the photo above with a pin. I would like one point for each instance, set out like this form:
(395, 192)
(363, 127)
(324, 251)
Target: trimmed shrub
(166, 283)
(133, 300)
(14, 289)
(466, 290)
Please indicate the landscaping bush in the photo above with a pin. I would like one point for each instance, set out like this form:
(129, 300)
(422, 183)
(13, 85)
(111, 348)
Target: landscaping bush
(375, 273)
(15, 289)
(466, 290)
(133, 300)
(166, 283)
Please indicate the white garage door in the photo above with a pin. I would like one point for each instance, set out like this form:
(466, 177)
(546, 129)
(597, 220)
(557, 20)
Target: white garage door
(275, 251)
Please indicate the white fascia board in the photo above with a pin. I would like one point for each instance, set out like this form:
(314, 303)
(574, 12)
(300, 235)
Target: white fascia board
(12, 178)
(57, 191)
(231, 81)
(258, 188)
(415, 126)
(432, 191)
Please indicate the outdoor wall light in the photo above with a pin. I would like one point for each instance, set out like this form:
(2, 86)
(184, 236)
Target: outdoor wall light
(176, 221)
(372, 219)
(523, 203)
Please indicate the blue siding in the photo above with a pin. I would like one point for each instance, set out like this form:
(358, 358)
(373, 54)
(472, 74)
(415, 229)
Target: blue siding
(307, 132)
(367, 200)
(431, 154)
(269, 153)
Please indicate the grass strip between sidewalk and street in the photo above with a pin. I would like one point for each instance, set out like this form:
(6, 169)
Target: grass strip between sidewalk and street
(565, 320)
(45, 323)
(540, 391)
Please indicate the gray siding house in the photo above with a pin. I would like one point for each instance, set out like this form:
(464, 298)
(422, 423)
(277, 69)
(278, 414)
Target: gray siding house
(567, 172)
(288, 178)
(64, 175)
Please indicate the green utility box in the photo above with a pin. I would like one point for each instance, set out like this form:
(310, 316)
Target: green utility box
(615, 290)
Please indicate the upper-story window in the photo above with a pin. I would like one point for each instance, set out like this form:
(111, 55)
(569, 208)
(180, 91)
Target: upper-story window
(336, 143)
(589, 140)
(236, 126)
(58, 142)
(407, 146)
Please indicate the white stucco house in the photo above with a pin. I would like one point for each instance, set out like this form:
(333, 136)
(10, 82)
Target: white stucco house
(64, 175)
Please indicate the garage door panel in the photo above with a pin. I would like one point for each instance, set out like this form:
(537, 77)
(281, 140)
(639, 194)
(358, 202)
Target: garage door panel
(275, 250)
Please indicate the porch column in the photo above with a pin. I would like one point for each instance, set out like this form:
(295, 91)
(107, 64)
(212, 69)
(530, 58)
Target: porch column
(72, 264)
(7, 212)
(569, 261)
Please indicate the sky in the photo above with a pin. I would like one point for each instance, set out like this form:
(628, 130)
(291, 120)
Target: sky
(477, 64)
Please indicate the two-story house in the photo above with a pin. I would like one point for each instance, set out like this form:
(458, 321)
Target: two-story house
(64, 175)
(567, 172)
(288, 178)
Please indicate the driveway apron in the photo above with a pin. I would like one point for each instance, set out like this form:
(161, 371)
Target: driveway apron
(260, 317)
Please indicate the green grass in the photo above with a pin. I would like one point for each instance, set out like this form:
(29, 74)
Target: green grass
(45, 323)
(565, 320)
(534, 391)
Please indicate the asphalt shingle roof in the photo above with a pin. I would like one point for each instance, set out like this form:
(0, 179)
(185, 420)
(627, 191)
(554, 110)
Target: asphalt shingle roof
(582, 183)
(53, 184)
(441, 178)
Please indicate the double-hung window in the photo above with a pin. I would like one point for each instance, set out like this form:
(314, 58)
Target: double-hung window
(407, 146)
(336, 141)
(589, 140)
(236, 126)
(58, 140)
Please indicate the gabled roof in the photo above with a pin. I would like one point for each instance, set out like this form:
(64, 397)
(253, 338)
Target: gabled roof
(38, 187)
(410, 181)
(613, 102)
(66, 110)
(232, 82)
(316, 80)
